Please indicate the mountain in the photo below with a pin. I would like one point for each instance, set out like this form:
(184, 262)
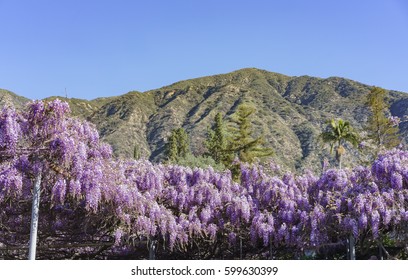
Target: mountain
(8, 97)
(291, 113)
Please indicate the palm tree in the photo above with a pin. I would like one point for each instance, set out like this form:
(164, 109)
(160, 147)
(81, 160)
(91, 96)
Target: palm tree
(338, 133)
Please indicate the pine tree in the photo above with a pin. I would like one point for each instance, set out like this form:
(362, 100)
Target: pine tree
(381, 130)
(183, 143)
(171, 147)
(241, 142)
(178, 146)
(216, 142)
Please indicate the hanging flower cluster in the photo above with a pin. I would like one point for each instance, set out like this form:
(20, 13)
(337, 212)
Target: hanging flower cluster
(87, 195)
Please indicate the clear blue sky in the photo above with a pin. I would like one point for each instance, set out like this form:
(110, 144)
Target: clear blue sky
(104, 48)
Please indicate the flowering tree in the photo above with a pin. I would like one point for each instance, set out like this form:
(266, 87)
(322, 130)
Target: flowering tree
(95, 206)
(64, 156)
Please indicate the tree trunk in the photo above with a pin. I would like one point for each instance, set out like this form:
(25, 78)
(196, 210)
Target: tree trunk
(241, 256)
(339, 153)
(351, 250)
(34, 218)
(152, 250)
(340, 162)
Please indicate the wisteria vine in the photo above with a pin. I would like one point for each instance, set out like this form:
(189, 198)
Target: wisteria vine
(92, 202)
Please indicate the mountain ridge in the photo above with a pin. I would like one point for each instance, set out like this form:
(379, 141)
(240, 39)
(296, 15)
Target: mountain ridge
(291, 112)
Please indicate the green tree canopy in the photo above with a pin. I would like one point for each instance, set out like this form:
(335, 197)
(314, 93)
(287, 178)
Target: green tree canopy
(178, 145)
(216, 142)
(380, 129)
(337, 134)
(241, 142)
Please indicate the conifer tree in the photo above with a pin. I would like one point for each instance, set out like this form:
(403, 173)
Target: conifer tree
(381, 130)
(178, 146)
(216, 142)
(183, 143)
(241, 142)
(171, 147)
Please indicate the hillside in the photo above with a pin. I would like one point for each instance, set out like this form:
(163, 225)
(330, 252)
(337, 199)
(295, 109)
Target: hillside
(291, 111)
(8, 97)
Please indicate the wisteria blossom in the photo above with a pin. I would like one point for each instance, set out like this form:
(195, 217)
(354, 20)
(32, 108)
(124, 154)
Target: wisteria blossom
(90, 197)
